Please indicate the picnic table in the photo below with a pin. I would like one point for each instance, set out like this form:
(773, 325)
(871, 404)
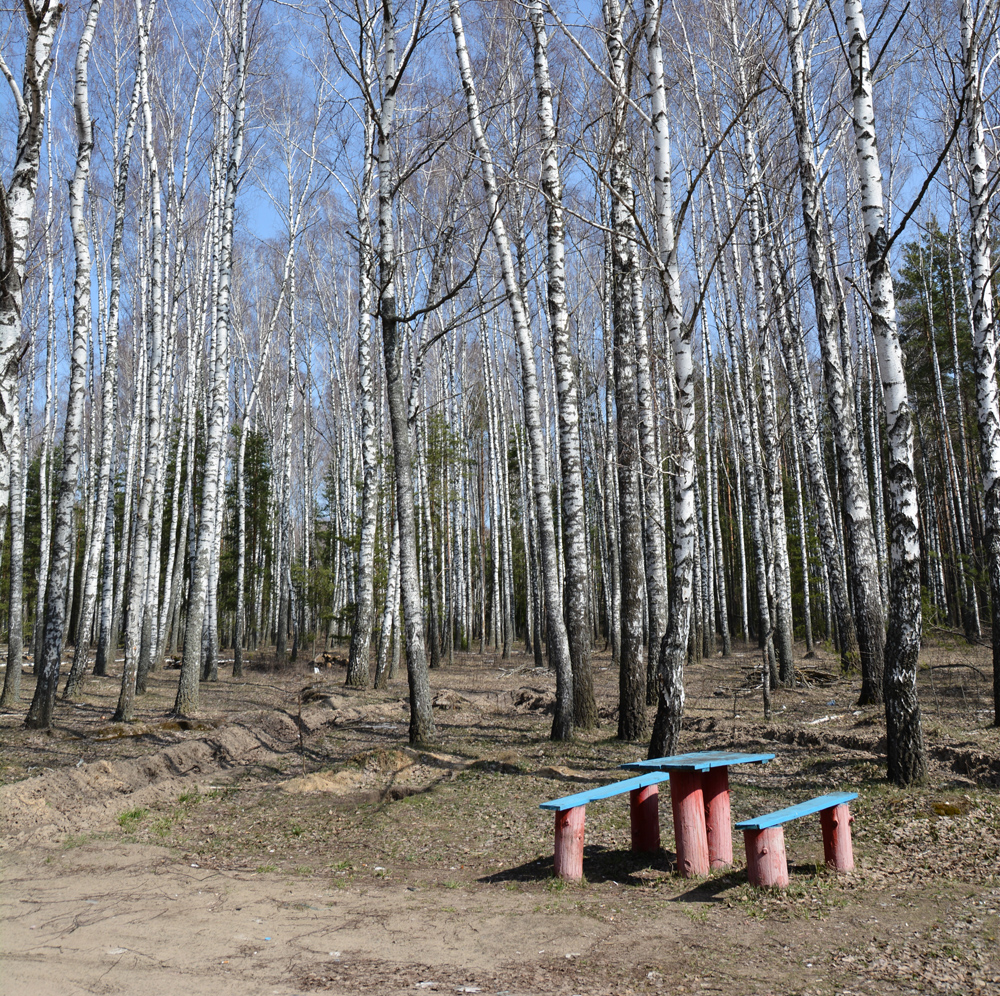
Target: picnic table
(699, 798)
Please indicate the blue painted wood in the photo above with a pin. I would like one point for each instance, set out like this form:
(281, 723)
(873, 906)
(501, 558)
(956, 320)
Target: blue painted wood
(806, 808)
(606, 791)
(702, 760)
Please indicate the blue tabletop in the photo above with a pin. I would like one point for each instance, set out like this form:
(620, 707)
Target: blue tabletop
(702, 760)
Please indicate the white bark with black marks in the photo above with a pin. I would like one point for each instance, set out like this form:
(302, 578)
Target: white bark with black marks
(859, 540)
(17, 206)
(562, 724)
(907, 760)
(985, 338)
(187, 699)
(573, 519)
(358, 669)
(674, 647)
(421, 713)
(47, 669)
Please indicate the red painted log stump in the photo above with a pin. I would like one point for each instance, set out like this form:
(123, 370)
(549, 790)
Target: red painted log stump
(691, 840)
(836, 823)
(568, 858)
(644, 810)
(767, 865)
(718, 816)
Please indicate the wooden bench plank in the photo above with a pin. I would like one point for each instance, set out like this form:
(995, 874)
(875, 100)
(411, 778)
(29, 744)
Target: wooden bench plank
(606, 791)
(806, 808)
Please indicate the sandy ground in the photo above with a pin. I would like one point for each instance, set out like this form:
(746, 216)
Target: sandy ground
(131, 920)
(291, 842)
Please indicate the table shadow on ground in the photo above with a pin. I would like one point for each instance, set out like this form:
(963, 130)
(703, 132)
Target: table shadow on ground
(600, 864)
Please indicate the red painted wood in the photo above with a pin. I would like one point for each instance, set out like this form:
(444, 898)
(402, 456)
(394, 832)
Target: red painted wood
(688, 803)
(644, 806)
(568, 858)
(836, 823)
(767, 865)
(718, 818)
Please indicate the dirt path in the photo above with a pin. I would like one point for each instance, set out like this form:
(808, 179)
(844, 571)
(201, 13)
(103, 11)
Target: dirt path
(131, 919)
(293, 843)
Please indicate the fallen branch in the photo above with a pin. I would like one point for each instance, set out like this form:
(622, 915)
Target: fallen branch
(971, 667)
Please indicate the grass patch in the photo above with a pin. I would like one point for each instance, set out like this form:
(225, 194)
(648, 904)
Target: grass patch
(76, 840)
(163, 825)
(131, 818)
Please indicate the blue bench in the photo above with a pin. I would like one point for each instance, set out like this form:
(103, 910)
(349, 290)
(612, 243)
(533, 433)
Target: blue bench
(764, 837)
(571, 811)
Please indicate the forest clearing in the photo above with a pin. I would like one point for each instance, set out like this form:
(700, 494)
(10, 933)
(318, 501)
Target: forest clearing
(236, 856)
(413, 410)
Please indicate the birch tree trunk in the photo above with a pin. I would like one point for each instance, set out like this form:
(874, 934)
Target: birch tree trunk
(17, 451)
(573, 520)
(47, 670)
(985, 340)
(139, 607)
(186, 702)
(862, 560)
(562, 723)
(711, 444)
(612, 566)
(17, 205)
(804, 412)
(904, 736)
(673, 651)
(421, 714)
(241, 515)
(654, 555)
(632, 720)
(770, 478)
(109, 405)
(361, 632)
(390, 610)
(803, 543)
(48, 422)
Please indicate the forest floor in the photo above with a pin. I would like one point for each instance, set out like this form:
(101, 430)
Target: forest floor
(290, 841)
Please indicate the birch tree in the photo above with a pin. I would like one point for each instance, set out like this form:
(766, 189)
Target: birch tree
(17, 206)
(573, 518)
(187, 700)
(904, 735)
(361, 633)
(47, 670)
(632, 720)
(673, 652)
(562, 724)
(139, 608)
(984, 330)
(862, 563)
(421, 714)
(104, 510)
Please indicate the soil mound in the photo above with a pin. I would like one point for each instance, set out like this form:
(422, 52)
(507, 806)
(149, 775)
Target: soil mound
(91, 795)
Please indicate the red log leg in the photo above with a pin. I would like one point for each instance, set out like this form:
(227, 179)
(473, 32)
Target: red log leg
(836, 822)
(715, 785)
(766, 862)
(688, 803)
(568, 858)
(645, 814)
